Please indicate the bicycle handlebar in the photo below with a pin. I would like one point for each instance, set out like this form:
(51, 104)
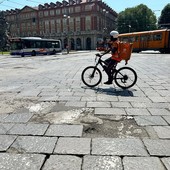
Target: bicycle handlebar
(98, 55)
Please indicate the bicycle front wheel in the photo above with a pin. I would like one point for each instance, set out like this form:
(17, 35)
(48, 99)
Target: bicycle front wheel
(91, 76)
(125, 77)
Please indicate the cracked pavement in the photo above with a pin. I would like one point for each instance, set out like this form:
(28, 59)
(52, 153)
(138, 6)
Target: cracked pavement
(50, 120)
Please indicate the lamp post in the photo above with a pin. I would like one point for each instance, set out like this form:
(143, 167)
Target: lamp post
(67, 32)
(129, 27)
(105, 26)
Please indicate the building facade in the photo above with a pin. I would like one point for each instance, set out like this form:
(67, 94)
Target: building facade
(78, 24)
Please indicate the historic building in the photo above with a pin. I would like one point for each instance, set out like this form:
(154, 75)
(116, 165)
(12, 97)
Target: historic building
(78, 23)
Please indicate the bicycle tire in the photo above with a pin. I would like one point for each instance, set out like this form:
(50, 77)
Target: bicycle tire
(89, 79)
(124, 80)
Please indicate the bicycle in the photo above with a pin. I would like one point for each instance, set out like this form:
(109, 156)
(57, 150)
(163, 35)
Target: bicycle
(124, 77)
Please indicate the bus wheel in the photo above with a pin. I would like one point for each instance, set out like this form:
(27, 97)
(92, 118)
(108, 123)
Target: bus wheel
(33, 53)
(22, 55)
(162, 51)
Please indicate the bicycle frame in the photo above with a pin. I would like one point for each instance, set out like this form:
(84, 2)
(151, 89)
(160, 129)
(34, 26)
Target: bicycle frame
(103, 63)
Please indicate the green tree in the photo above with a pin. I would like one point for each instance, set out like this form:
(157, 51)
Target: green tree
(164, 20)
(139, 18)
(3, 31)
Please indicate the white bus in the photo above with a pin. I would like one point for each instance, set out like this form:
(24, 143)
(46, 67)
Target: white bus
(34, 46)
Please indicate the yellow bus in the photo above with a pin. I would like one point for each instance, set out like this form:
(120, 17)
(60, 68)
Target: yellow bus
(157, 40)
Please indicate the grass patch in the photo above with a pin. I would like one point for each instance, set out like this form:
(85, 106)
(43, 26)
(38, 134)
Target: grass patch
(4, 52)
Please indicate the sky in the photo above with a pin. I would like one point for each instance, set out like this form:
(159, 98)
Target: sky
(118, 5)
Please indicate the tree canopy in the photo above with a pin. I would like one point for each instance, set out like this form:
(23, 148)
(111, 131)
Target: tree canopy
(3, 31)
(139, 18)
(164, 20)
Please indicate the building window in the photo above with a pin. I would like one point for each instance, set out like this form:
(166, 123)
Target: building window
(77, 9)
(52, 26)
(52, 12)
(64, 11)
(33, 14)
(82, 22)
(77, 23)
(71, 10)
(45, 13)
(88, 23)
(89, 7)
(58, 12)
(58, 25)
(71, 24)
(40, 14)
(47, 26)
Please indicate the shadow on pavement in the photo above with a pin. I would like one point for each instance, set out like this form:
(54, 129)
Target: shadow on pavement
(113, 91)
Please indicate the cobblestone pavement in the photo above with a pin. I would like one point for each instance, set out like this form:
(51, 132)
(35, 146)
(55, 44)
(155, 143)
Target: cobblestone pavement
(50, 120)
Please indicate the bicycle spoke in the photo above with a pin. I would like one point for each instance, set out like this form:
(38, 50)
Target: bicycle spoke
(91, 76)
(125, 77)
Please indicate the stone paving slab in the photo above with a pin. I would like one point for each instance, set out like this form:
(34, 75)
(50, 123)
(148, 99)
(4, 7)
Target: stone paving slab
(157, 147)
(150, 120)
(103, 97)
(28, 129)
(134, 99)
(136, 111)
(34, 144)
(167, 118)
(121, 105)
(48, 98)
(76, 104)
(29, 93)
(117, 146)
(158, 99)
(166, 162)
(77, 146)
(6, 141)
(4, 127)
(88, 98)
(159, 111)
(18, 117)
(162, 131)
(109, 111)
(150, 105)
(142, 163)
(102, 163)
(69, 98)
(10, 161)
(63, 162)
(65, 130)
(99, 104)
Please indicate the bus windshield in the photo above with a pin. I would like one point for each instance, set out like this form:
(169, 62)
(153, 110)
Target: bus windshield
(16, 45)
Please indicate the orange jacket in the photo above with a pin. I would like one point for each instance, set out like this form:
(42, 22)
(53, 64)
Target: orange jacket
(115, 50)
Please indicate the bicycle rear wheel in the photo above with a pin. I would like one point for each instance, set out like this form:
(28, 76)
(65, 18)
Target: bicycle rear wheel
(125, 77)
(91, 76)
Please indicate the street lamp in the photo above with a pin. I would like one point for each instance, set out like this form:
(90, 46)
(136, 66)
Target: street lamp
(67, 17)
(129, 27)
(105, 27)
